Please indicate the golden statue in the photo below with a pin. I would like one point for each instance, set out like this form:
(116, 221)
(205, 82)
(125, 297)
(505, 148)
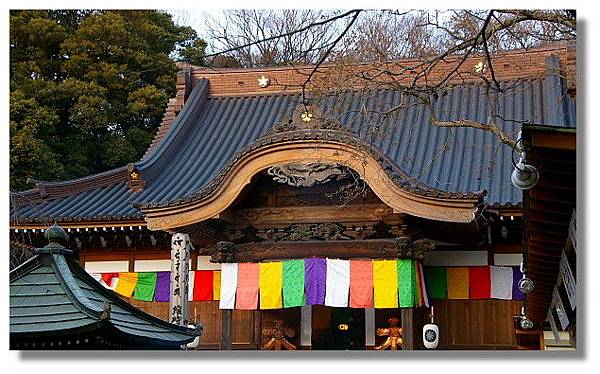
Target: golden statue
(394, 334)
(278, 336)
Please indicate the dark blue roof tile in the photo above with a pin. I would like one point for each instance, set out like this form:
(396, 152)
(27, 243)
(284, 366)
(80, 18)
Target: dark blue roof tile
(211, 131)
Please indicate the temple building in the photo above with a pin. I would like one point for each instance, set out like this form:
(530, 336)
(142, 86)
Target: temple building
(278, 219)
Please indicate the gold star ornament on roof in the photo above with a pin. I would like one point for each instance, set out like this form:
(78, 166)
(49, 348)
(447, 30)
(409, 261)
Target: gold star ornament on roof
(263, 81)
(480, 67)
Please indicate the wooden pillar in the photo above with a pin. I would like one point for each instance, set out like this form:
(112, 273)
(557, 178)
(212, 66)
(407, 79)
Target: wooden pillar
(306, 327)
(257, 319)
(226, 325)
(408, 331)
(369, 328)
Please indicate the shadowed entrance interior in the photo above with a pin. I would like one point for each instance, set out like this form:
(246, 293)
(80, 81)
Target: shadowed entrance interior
(338, 328)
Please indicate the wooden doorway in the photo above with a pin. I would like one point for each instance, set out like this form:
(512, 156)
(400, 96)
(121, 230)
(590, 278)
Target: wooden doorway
(338, 328)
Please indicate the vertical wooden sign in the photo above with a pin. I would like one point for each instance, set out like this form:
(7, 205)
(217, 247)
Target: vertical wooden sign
(180, 264)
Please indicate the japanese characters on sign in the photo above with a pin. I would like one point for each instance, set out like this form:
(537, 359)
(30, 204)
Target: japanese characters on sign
(180, 260)
(568, 280)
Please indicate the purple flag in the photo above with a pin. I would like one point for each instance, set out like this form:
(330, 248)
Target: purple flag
(163, 286)
(316, 277)
(517, 275)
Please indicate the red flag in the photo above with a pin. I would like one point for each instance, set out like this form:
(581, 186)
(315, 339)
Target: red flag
(203, 285)
(361, 284)
(107, 278)
(246, 297)
(479, 282)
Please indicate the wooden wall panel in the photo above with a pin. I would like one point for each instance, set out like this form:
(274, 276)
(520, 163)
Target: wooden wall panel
(209, 315)
(476, 324)
(243, 328)
(205, 312)
(160, 310)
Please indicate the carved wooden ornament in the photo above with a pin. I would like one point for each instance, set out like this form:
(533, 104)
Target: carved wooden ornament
(448, 209)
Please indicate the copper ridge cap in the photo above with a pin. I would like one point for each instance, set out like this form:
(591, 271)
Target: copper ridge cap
(552, 46)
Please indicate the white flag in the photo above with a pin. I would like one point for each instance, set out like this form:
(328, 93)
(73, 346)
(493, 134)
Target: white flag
(502, 282)
(337, 285)
(560, 310)
(228, 285)
(569, 280)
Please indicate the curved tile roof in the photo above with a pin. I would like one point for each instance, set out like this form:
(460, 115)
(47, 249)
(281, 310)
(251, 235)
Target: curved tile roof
(52, 294)
(209, 131)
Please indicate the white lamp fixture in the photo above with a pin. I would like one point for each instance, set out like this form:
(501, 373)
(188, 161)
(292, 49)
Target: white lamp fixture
(525, 284)
(431, 334)
(524, 176)
(524, 322)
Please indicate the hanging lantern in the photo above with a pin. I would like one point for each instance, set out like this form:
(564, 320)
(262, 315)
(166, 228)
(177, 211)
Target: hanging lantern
(431, 333)
(525, 284)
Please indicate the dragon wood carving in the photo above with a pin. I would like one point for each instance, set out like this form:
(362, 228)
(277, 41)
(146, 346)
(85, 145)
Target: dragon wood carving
(306, 175)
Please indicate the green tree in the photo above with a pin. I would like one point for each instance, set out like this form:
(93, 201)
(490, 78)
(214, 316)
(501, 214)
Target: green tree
(88, 88)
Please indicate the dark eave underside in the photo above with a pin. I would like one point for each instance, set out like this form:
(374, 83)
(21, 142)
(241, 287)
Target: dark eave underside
(549, 208)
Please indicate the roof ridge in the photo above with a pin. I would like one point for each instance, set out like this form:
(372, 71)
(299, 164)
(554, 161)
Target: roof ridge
(163, 142)
(553, 46)
(48, 189)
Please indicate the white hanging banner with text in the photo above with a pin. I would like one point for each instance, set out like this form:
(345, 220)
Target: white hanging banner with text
(180, 265)
(569, 280)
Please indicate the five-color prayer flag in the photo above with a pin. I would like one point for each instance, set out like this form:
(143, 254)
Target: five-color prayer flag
(337, 283)
(385, 283)
(323, 281)
(315, 270)
(247, 286)
(293, 283)
(146, 285)
(458, 283)
(436, 282)
(203, 285)
(163, 286)
(479, 282)
(270, 281)
(216, 284)
(406, 283)
(127, 283)
(229, 274)
(361, 284)
(501, 282)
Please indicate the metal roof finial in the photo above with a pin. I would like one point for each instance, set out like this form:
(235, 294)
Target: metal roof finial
(55, 234)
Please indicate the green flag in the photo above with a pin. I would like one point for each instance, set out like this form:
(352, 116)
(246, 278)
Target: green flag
(293, 283)
(436, 282)
(406, 283)
(144, 290)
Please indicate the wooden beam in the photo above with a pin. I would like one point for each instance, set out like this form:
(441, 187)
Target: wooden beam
(372, 248)
(226, 329)
(555, 140)
(408, 331)
(274, 216)
(257, 319)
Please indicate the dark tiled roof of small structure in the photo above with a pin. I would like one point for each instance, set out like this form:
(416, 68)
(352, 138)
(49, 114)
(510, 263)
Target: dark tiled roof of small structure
(209, 131)
(52, 294)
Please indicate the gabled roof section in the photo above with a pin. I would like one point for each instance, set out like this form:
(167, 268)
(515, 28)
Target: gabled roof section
(217, 122)
(52, 295)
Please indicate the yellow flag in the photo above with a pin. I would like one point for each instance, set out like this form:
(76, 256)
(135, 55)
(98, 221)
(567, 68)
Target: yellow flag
(458, 283)
(270, 282)
(385, 283)
(216, 285)
(126, 284)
